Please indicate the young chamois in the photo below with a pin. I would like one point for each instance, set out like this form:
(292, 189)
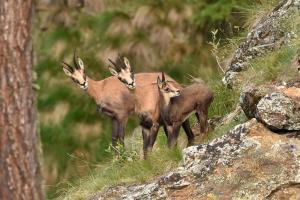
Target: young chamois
(176, 106)
(111, 96)
(147, 98)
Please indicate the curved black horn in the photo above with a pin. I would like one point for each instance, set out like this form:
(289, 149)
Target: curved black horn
(120, 61)
(75, 60)
(163, 77)
(114, 64)
(68, 66)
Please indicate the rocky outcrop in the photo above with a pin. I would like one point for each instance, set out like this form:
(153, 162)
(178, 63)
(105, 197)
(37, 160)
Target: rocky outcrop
(250, 162)
(267, 35)
(279, 111)
(277, 105)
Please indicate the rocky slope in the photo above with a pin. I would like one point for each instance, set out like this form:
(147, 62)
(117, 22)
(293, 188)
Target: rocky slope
(250, 162)
(267, 34)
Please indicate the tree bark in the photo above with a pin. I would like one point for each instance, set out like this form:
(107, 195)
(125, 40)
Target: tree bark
(20, 175)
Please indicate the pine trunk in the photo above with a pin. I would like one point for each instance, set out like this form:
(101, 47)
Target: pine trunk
(20, 175)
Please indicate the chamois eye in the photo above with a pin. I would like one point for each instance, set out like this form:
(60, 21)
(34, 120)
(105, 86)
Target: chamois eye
(168, 90)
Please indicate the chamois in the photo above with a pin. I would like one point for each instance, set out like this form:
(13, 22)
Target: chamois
(148, 98)
(176, 106)
(111, 96)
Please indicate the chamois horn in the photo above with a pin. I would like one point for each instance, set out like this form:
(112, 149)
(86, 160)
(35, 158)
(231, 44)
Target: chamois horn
(68, 66)
(163, 79)
(75, 60)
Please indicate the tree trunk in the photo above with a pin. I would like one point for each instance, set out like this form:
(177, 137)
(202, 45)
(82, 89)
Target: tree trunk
(20, 175)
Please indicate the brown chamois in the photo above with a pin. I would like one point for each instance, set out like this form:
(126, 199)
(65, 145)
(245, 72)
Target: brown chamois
(111, 96)
(108, 94)
(176, 106)
(148, 98)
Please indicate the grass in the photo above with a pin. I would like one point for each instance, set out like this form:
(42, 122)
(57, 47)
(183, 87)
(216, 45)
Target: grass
(276, 65)
(124, 170)
(219, 131)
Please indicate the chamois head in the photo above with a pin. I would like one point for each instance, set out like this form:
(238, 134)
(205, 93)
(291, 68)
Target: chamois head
(76, 73)
(166, 88)
(122, 70)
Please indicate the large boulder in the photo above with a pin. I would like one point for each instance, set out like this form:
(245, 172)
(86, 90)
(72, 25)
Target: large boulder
(266, 35)
(279, 111)
(277, 105)
(250, 162)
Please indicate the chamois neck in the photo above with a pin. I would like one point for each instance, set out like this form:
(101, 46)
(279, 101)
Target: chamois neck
(165, 100)
(91, 90)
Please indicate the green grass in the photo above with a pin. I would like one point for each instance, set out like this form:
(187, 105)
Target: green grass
(127, 169)
(219, 131)
(276, 65)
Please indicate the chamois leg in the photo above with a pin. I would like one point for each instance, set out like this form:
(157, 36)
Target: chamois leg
(204, 120)
(173, 134)
(166, 130)
(203, 113)
(153, 135)
(115, 135)
(198, 119)
(121, 132)
(188, 131)
(146, 141)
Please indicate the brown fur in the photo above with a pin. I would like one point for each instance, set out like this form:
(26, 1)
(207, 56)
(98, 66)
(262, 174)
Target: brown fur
(117, 102)
(174, 111)
(147, 99)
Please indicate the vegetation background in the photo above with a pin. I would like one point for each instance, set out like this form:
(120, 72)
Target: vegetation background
(174, 36)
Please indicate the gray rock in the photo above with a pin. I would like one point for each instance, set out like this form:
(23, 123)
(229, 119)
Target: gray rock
(279, 112)
(276, 105)
(250, 96)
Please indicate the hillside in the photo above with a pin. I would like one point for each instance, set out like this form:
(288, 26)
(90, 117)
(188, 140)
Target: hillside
(259, 157)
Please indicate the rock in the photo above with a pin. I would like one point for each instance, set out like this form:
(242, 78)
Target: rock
(250, 162)
(266, 35)
(279, 112)
(250, 96)
(276, 105)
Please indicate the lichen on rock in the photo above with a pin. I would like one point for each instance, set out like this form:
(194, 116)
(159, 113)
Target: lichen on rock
(279, 112)
(276, 105)
(249, 162)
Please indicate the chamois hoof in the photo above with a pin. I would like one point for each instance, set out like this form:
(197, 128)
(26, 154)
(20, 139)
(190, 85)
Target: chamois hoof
(191, 143)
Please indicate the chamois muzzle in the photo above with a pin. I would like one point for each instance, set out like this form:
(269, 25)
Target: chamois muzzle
(176, 93)
(131, 85)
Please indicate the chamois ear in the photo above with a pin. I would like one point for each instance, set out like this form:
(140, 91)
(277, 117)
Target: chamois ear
(67, 69)
(159, 83)
(112, 71)
(80, 63)
(127, 64)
